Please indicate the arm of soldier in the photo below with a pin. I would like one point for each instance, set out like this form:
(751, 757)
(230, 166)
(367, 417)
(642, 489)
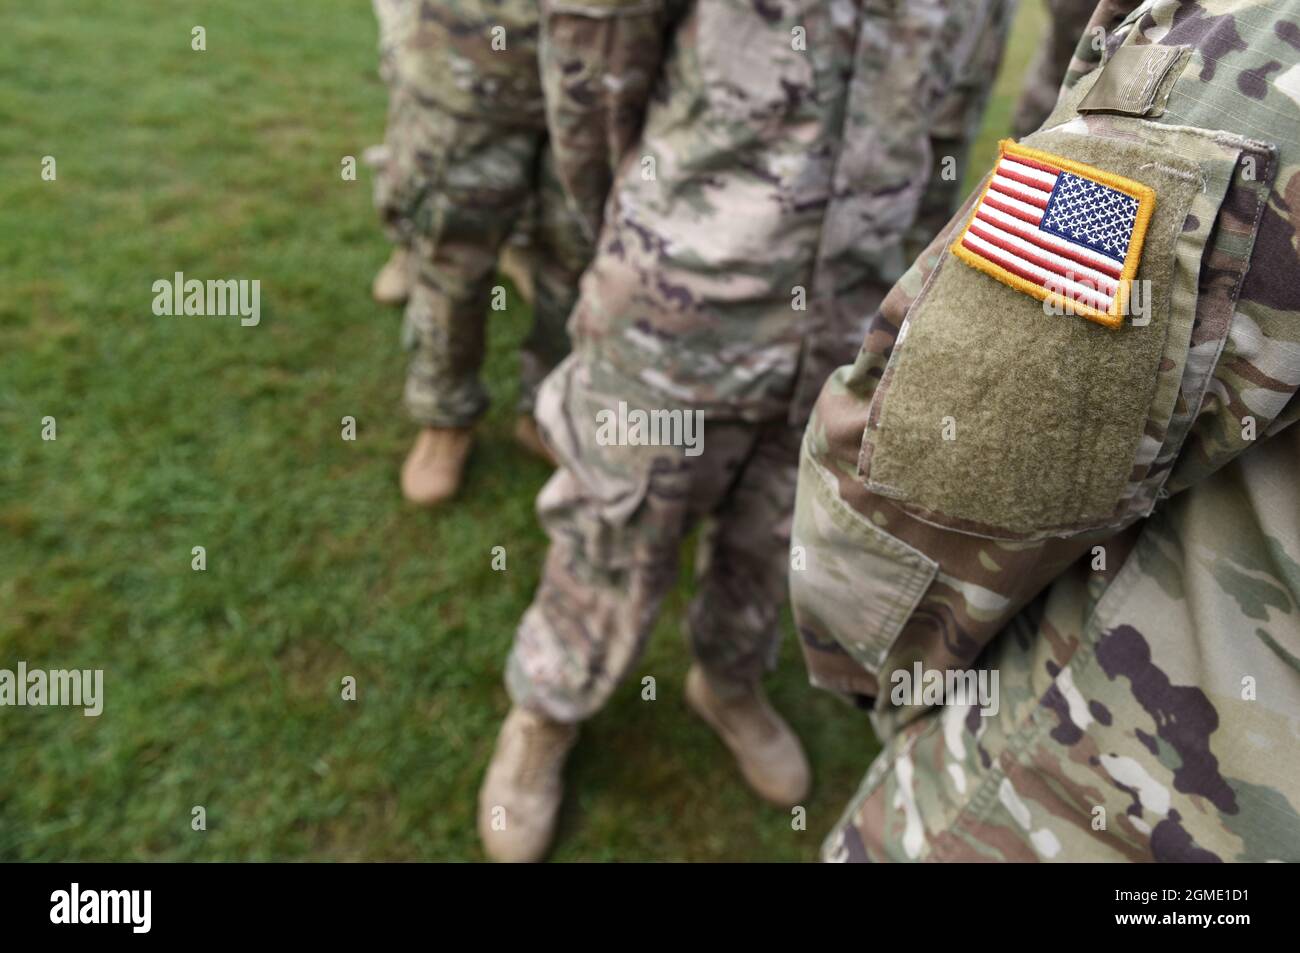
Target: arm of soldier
(877, 588)
(862, 567)
(599, 62)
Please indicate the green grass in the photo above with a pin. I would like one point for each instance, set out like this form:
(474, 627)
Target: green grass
(223, 687)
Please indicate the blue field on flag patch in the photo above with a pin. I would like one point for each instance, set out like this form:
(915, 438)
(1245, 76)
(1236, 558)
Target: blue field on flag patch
(1091, 214)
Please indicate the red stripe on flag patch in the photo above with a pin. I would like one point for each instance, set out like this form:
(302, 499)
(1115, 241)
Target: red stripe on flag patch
(1005, 171)
(1020, 195)
(1105, 286)
(1040, 277)
(992, 202)
(1035, 164)
(1059, 248)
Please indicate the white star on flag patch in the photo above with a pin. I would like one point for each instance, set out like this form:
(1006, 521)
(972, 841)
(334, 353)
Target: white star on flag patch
(1059, 231)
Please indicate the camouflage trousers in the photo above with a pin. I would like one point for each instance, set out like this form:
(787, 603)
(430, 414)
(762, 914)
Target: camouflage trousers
(617, 516)
(488, 177)
(467, 159)
(391, 15)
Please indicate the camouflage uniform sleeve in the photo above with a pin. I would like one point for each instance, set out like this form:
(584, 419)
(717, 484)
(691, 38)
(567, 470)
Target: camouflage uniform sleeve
(600, 60)
(923, 589)
(973, 585)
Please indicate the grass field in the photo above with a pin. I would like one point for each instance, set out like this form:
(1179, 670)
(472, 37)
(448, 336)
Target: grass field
(223, 686)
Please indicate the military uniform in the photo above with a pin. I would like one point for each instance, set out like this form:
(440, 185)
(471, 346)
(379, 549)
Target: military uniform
(1102, 514)
(467, 144)
(393, 16)
(600, 62)
(762, 212)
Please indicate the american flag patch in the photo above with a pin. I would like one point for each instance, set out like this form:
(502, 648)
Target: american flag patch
(1060, 231)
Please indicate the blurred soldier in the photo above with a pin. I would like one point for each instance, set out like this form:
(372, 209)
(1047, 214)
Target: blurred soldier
(954, 125)
(467, 146)
(1066, 20)
(1050, 516)
(393, 283)
(759, 217)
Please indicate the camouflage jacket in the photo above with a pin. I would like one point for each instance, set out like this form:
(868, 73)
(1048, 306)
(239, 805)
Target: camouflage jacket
(764, 165)
(1106, 520)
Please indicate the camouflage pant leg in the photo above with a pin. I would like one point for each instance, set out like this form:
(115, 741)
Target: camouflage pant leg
(392, 187)
(478, 175)
(616, 516)
(393, 17)
(560, 251)
(1055, 48)
(742, 562)
(469, 163)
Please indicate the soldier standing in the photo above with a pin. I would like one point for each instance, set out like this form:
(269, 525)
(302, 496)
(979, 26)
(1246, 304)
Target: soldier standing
(1050, 514)
(759, 217)
(466, 154)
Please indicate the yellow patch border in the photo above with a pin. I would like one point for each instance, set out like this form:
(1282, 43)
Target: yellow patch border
(1146, 199)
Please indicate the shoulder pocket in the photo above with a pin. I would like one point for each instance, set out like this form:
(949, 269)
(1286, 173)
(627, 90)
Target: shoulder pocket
(1006, 411)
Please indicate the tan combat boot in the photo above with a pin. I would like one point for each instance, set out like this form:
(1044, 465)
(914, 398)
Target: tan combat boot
(521, 793)
(527, 436)
(393, 283)
(767, 750)
(517, 263)
(433, 468)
